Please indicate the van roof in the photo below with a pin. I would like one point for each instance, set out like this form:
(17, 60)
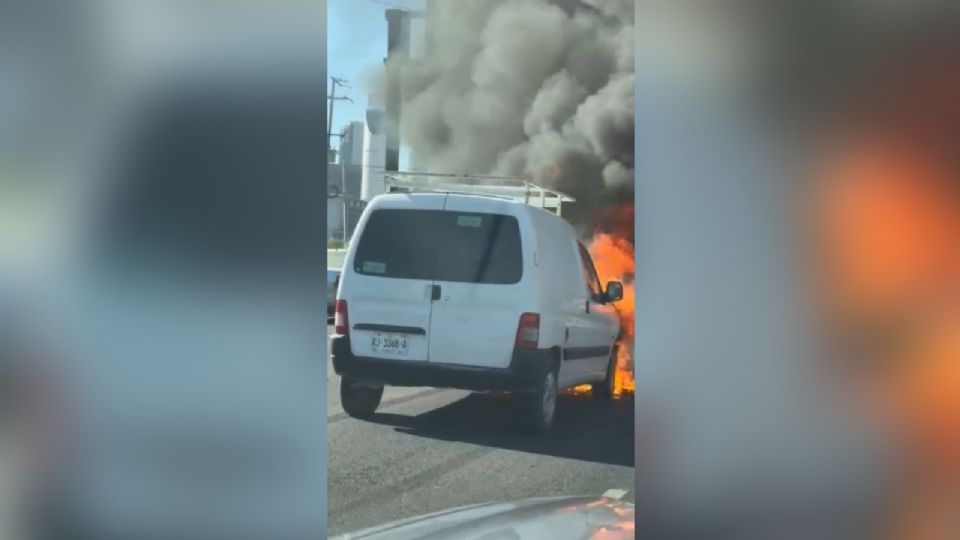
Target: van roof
(413, 200)
(514, 188)
(395, 198)
(511, 206)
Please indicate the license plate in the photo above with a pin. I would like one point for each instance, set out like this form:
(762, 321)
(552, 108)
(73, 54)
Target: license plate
(392, 344)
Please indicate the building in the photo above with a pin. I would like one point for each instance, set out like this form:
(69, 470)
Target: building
(346, 174)
(374, 151)
(369, 149)
(351, 144)
(335, 205)
(351, 160)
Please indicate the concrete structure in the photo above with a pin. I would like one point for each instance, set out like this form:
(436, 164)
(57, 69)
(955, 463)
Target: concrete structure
(374, 151)
(351, 170)
(368, 150)
(351, 144)
(398, 51)
(351, 159)
(347, 175)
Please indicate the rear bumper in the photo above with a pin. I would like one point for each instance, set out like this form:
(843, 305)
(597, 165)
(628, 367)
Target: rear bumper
(525, 370)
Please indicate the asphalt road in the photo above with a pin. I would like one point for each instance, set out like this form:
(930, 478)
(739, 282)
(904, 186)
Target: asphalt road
(428, 450)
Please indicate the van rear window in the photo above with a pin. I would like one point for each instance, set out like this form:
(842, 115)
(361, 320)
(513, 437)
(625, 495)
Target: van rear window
(441, 245)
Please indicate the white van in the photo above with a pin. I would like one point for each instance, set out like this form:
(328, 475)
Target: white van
(471, 292)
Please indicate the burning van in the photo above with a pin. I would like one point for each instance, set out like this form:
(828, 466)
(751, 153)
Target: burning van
(476, 292)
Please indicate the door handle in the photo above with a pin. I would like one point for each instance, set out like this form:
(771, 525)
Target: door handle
(434, 292)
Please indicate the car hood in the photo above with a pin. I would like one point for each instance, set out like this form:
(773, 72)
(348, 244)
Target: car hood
(560, 518)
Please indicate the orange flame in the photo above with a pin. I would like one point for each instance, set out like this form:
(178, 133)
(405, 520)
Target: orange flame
(613, 258)
(582, 390)
(611, 249)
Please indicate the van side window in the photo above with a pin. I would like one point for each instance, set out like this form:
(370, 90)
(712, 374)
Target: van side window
(589, 272)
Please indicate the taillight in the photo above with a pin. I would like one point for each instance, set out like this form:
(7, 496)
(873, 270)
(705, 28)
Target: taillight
(341, 322)
(528, 331)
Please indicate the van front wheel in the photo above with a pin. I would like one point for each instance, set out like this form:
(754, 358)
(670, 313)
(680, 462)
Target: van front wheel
(358, 400)
(606, 388)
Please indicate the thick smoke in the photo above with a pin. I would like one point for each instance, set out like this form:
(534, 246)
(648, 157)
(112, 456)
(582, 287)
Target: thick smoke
(535, 88)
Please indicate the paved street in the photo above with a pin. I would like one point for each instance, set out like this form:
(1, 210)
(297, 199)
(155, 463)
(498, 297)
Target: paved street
(428, 450)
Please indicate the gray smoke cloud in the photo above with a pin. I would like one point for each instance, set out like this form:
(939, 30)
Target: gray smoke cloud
(535, 88)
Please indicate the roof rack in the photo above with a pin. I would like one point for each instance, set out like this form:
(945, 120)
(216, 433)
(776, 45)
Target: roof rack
(505, 187)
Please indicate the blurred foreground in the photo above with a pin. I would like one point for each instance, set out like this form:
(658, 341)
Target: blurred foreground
(798, 234)
(161, 293)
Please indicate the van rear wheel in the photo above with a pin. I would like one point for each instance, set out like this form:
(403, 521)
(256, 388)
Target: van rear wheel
(606, 388)
(359, 400)
(541, 404)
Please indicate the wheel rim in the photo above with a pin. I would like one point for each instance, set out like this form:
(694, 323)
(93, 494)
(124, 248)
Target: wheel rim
(549, 397)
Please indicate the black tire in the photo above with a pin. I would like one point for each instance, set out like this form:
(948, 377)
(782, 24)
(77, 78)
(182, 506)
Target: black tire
(604, 389)
(359, 401)
(539, 406)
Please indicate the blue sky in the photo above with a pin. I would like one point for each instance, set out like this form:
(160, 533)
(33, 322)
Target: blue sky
(357, 34)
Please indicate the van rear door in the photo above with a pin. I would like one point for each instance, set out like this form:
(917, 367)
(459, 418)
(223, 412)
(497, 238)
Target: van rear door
(479, 273)
(390, 286)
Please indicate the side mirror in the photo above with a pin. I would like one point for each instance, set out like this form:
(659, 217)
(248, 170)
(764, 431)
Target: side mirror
(614, 292)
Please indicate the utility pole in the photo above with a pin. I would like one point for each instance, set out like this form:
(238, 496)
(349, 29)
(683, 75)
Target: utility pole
(335, 82)
(333, 97)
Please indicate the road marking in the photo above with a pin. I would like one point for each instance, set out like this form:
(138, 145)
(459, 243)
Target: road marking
(614, 493)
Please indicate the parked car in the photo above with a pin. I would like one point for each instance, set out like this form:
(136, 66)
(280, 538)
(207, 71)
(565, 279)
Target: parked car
(471, 292)
(333, 281)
